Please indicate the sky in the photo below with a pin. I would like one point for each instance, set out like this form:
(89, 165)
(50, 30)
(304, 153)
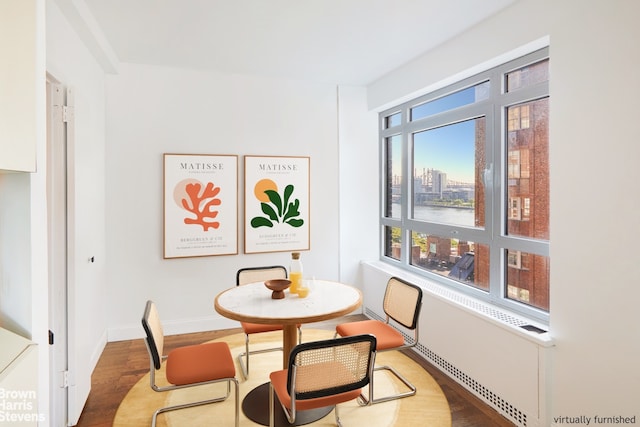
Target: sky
(449, 149)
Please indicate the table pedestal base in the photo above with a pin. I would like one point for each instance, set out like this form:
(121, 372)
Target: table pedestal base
(256, 407)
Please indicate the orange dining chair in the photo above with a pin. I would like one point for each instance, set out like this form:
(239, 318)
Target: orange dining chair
(188, 366)
(251, 275)
(402, 302)
(323, 373)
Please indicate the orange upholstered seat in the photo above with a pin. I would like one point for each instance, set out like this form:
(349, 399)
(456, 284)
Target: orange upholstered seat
(279, 381)
(256, 328)
(188, 366)
(387, 336)
(200, 363)
(323, 373)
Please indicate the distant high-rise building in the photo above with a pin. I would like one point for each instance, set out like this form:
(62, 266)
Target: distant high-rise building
(527, 213)
(439, 182)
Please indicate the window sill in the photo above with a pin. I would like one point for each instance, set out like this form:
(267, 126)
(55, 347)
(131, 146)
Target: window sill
(501, 317)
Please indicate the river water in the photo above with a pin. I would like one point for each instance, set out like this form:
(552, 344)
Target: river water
(439, 214)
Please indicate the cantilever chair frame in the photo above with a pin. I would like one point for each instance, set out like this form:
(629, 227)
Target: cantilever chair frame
(411, 323)
(298, 367)
(270, 272)
(155, 341)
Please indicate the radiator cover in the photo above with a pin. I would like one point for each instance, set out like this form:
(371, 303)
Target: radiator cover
(481, 347)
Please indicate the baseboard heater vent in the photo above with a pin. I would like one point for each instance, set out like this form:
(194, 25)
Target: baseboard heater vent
(479, 390)
(482, 392)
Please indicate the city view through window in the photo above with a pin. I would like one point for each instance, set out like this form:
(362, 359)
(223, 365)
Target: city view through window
(476, 207)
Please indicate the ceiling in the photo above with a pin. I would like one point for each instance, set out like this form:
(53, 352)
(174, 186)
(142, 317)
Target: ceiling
(351, 42)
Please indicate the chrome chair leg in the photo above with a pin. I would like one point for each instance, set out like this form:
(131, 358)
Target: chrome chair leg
(205, 402)
(243, 358)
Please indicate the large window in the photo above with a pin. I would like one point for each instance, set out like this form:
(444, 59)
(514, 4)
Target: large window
(466, 185)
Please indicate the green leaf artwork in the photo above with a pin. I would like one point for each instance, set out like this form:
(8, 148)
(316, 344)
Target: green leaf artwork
(278, 209)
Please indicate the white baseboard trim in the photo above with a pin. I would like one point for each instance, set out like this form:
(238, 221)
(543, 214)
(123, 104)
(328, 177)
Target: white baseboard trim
(95, 357)
(184, 326)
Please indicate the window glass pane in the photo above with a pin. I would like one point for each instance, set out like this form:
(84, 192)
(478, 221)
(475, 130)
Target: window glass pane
(527, 76)
(528, 170)
(463, 97)
(393, 191)
(448, 145)
(447, 165)
(528, 278)
(392, 120)
(463, 261)
(393, 242)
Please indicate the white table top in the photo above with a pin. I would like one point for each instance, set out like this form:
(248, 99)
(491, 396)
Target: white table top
(253, 303)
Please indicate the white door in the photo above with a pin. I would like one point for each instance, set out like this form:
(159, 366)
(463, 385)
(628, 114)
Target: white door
(57, 229)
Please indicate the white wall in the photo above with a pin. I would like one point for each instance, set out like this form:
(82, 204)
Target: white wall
(359, 182)
(594, 132)
(594, 203)
(478, 49)
(15, 255)
(154, 110)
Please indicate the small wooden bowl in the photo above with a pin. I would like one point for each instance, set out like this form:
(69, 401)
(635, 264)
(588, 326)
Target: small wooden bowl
(277, 286)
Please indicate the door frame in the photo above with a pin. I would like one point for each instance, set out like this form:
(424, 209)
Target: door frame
(60, 227)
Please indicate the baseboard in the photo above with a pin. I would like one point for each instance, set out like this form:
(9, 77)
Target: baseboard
(185, 326)
(95, 357)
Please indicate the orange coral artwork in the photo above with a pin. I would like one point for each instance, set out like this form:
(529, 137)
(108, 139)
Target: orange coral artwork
(200, 205)
(199, 201)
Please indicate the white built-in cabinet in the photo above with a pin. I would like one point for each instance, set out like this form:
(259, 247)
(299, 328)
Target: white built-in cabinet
(18, 381)
(22, 82)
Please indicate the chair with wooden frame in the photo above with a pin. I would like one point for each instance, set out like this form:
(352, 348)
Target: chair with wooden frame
(321, 374)
(402, 303)
(251, 275)
(188, 366)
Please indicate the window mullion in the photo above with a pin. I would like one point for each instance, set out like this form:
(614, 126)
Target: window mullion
(470, 184)
(538, 91)
(407, 186)
(538, 247)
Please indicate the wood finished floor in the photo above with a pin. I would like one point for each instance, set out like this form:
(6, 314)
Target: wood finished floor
(123, 363)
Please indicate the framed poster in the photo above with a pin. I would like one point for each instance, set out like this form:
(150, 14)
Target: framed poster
(276, 204)
(200, 205)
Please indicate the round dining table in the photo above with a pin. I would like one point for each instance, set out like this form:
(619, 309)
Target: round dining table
(253, 303)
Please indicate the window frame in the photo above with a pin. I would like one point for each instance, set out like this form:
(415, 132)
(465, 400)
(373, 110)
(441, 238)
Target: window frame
(494, 232)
